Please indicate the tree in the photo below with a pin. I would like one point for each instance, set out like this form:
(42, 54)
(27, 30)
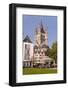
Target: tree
(52, 52)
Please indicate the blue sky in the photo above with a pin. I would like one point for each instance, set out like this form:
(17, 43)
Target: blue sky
(31, 22)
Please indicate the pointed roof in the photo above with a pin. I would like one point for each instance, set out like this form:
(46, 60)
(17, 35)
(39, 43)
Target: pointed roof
(27, 39)
(41, 27)
(42, 30)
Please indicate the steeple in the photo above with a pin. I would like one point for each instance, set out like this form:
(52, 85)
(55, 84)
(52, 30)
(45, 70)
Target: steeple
(42, 28)
(41, 34)
(41, 25)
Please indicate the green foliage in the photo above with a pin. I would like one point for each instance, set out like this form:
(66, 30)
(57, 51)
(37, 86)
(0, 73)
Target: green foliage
(52, 52)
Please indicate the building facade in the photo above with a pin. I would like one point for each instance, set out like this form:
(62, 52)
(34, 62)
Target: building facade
(35, 54)
(41, 46)
(28, 52)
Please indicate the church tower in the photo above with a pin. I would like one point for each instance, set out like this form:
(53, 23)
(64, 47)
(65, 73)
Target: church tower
(41, 44)
(41, 35)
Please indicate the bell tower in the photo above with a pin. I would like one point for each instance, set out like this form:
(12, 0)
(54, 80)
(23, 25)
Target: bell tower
(41, 35)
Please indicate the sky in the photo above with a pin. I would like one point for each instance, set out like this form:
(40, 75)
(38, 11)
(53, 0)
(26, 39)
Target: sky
(32, 21)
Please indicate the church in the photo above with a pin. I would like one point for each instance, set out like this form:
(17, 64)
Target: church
(35, 54)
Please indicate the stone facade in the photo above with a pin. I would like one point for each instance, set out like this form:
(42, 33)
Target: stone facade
(41, 46)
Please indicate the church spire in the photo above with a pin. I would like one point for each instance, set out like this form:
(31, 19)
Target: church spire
(41, 24)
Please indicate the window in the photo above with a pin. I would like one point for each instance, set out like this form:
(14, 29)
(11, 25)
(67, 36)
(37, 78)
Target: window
(27, 52)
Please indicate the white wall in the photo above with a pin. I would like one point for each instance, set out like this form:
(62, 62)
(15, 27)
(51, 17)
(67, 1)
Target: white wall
(4, 47)
(31, 48)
